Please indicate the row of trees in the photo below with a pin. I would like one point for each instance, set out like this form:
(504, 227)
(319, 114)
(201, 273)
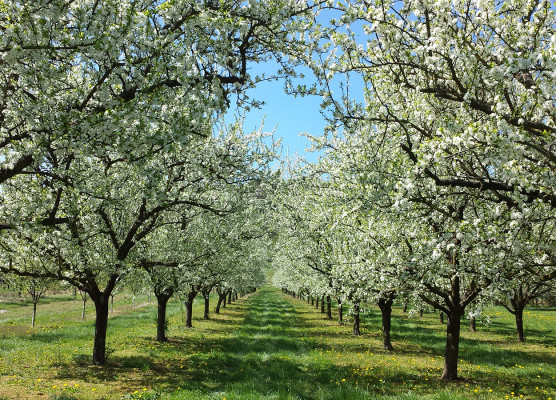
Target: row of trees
(115, 160)
(437, 180)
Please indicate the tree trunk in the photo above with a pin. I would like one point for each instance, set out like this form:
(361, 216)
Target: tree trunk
(405, 304)
(340, 312)
(221, 298)
(441, 317)
(453, 329)
(519, 301)
(34, 314)
(230, 297)
(356, 325)
(312, 301)
(189, 309)
(385, 305)
(472, 323)
(322, 304)
(162, 302)
(317, 302)
(519, 324)
(206, 296)
(421, 310)
(101, 325)
(328, 308)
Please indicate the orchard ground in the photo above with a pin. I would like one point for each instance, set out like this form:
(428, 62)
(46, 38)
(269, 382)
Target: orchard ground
(265, 346)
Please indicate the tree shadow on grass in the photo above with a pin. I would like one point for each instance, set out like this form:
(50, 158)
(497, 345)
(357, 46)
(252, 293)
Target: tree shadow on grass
(267, 354)
(532, 335)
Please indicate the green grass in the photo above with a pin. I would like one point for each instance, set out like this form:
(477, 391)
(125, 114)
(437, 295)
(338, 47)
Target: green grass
(265, 346)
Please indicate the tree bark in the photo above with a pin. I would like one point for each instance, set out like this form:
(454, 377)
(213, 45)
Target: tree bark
(162, 302)
(328, 308)
(356, 322)
(189, 309)
(340, 312)
(34, 314)
(519, 324)
(206, 296)
(385, 305)
(312, 301)
(230, 297)
(453, 329)
(322, 304)
(441, 317)
(317, 302)
(101, 325)
(221, 298)
(472, 323)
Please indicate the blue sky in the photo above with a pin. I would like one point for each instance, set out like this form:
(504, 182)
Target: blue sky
(287, 115)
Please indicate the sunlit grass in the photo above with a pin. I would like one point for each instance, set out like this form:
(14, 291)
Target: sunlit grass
(266, 346)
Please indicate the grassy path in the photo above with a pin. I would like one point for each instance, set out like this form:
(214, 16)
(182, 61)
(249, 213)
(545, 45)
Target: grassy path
(269, 357)
(267, 346)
